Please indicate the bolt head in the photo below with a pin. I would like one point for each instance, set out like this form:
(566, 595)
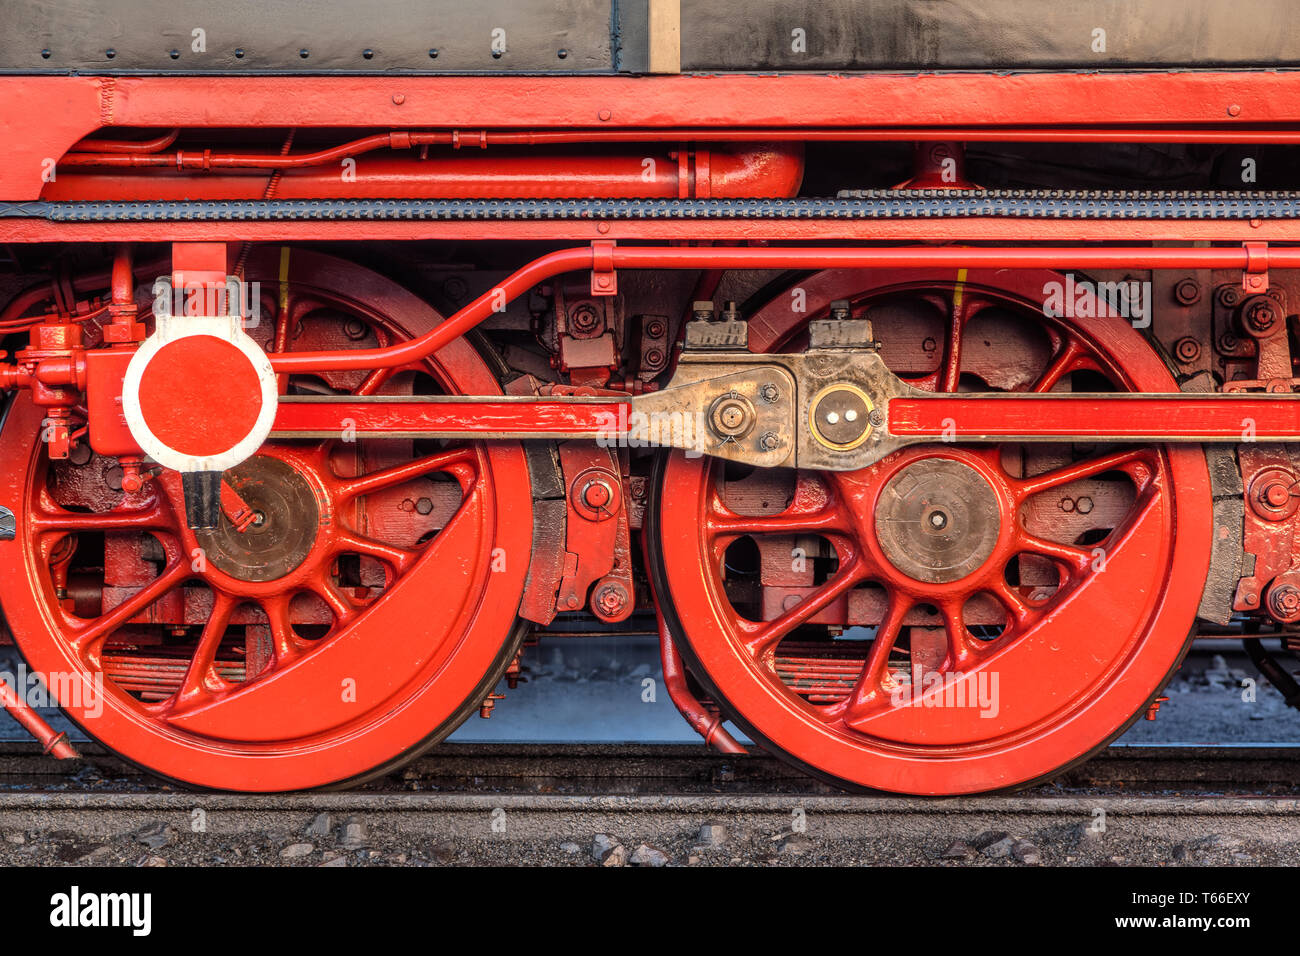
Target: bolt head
(596, 494)
(611, 600)
(1277, 494)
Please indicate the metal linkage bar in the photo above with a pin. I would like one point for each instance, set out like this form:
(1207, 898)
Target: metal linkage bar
(794, 410)
(1177, 417)
(421, 416)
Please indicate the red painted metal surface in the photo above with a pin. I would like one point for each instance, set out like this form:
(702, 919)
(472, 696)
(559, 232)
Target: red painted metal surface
(200, 395)
(1205, 417)
(80, 106)
(196, 697)
(965, 230)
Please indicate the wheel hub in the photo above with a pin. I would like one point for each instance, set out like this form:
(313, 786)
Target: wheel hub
(284, 531)
(937, 520)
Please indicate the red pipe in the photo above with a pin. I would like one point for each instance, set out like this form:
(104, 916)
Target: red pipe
(412, 350)
(15, 317)
(127, 146)
(756, 173)
(206, 159)
(777, 258)
(55, 743)
(706, 723)
(123, 287)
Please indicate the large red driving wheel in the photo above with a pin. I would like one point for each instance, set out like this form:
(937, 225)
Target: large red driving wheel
(361, 615)
(952, 619)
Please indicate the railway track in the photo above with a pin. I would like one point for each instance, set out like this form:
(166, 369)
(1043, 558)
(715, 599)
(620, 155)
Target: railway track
(581, 769)
(538, 804)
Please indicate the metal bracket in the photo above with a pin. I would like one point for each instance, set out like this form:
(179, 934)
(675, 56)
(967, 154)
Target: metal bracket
(604, 278)
(1254, 278)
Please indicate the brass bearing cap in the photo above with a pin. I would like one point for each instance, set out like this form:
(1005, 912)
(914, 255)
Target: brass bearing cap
(840, 416)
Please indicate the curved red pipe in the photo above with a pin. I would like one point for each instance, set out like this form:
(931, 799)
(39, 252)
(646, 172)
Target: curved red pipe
(14, 317)
(207, 159)
(90, 145)
(706, 723)
(55, 742)
(778, 258)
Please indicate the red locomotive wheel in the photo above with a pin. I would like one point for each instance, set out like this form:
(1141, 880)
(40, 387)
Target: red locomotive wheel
(955, 619)
(360, 616)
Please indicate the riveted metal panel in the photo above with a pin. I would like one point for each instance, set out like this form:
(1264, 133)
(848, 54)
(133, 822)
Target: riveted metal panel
(272, 36)
(613, 36)
(986, 34)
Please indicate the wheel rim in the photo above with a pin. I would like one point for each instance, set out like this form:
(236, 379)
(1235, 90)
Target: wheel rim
(983, 665)
(301, 653)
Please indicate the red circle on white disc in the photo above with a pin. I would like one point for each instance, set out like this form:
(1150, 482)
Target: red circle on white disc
(200, 395)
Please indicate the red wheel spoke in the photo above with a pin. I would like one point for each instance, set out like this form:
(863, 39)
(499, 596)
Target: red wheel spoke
(762, 639)
(201, 680)
(824, 516)
(399, 559)
(735, 525)
(283, 639)
(869, 683)
(959, 650)
(1017, 607)
(340, 604)
(375, 381)
(1073, 557)
(459, 460)
(1065, 361)
(150, 519)
(1088, 468)
(962, 309)
(88, 635)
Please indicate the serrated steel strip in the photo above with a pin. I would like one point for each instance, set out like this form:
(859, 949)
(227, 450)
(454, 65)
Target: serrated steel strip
(859, 204)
